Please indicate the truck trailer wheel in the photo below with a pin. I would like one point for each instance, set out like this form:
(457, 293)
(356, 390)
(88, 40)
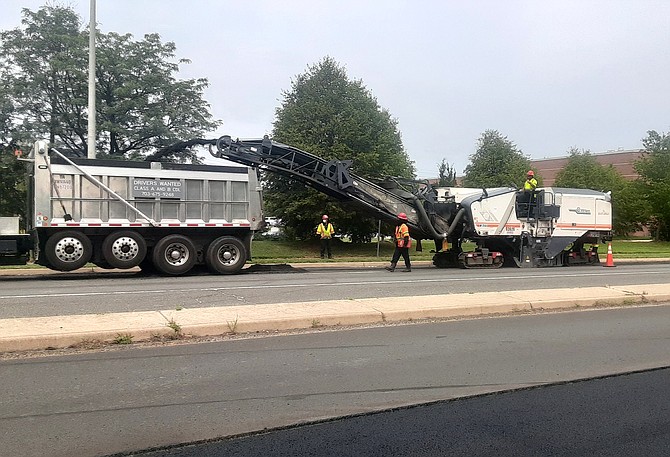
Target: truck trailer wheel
(67, 251)
(174, 255)
(226, 255)
(124, 249)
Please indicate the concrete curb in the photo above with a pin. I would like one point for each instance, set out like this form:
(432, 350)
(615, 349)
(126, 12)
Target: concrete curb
(22, 334)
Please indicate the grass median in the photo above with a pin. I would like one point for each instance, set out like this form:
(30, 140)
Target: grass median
(279, 251)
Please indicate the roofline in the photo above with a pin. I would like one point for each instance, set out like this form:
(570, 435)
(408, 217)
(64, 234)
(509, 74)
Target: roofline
(623, 151)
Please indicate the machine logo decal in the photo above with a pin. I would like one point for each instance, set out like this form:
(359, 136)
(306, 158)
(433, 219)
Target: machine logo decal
(579, 210)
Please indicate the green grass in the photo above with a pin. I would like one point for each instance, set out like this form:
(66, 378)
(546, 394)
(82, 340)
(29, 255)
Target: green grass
(265, 251)
(634, 249)
(30, 265)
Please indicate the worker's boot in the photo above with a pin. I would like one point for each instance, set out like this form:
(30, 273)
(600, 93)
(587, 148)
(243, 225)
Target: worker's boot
(407, 270)
(391, 267)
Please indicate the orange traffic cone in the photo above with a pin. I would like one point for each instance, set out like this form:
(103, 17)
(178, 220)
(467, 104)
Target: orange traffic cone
(610, 258)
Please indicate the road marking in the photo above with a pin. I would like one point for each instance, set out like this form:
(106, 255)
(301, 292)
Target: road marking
(323, 284)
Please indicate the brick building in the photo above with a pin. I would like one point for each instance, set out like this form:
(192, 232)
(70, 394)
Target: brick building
(622, 161)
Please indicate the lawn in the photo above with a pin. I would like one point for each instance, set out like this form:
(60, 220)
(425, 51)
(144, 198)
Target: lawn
(633, 249)
(270, 251)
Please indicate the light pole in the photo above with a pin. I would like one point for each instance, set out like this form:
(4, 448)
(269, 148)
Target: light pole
(91, 83)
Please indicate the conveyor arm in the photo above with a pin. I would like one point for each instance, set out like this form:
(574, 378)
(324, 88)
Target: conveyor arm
(331, 177)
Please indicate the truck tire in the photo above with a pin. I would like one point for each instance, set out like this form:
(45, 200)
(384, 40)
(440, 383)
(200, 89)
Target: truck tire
(226, 255)
(124, 249)
(174, 255)
(68, 250)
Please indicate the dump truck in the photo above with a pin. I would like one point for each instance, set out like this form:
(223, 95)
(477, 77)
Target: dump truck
(549, 226)
(123, 214)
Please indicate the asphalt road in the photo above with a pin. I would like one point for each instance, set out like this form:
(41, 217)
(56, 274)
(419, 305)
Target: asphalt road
(108, 292)
(626, 415)
(136, 398)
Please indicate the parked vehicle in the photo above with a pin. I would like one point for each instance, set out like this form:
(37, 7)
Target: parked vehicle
(122, 214)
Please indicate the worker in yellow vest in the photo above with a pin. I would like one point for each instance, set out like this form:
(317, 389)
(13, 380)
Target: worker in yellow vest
(531, 182)
(529, 188)
(325, 230)
(402, 244)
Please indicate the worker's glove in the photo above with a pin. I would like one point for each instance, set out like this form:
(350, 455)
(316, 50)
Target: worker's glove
(401, 243)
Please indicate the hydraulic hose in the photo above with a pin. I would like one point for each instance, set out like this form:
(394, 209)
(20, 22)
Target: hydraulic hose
(425, 220)
(457, 219)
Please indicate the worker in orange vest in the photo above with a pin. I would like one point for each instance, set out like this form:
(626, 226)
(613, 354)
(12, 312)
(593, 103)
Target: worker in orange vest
(325, 230)
(402, 244)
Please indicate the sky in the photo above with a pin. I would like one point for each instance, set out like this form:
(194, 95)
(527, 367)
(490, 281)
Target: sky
(547, 74)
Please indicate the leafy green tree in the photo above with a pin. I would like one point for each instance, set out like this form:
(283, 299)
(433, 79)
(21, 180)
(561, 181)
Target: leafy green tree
(654, 170)
(584, 172)
(12, 183)
(43, 63)
(496, 163)
(631, 209)
(141, 105)
(12, 172)
(329, 115)
(446, 174)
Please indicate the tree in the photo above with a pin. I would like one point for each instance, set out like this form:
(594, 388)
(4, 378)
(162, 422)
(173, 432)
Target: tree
(496, 163)
(446, 174)
(44, 66)
(333, 117)
(12, 172)
(584, 172)
(141, 105)
(654, 170)
(12, 184)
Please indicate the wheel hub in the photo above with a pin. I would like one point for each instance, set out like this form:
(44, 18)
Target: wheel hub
(228, 254)
(69, 249)
(125, 248)
(177, 254)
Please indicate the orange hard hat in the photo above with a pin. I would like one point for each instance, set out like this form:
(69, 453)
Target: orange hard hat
(531, 173)
(402, 216)
(325, 216)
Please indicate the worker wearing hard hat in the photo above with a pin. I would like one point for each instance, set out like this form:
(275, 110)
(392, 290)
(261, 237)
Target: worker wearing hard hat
(325, 230)
(531, 182)
(402, 244)
(528, 201)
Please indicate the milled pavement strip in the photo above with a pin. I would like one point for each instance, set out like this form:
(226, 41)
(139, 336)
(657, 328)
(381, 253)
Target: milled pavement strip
(19, 334)
(297, 285)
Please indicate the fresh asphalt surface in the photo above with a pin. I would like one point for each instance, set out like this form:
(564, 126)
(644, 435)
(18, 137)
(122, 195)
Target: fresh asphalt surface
(132, 398)
(626, 415)
(64, 294)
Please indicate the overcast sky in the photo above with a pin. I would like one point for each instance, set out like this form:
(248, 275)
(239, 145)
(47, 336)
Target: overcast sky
(548, 74)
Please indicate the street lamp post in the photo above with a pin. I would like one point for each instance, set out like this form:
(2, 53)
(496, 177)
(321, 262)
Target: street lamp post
(91, 83)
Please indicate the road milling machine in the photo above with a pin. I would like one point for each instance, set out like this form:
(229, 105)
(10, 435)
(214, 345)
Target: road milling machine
(550, 226)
